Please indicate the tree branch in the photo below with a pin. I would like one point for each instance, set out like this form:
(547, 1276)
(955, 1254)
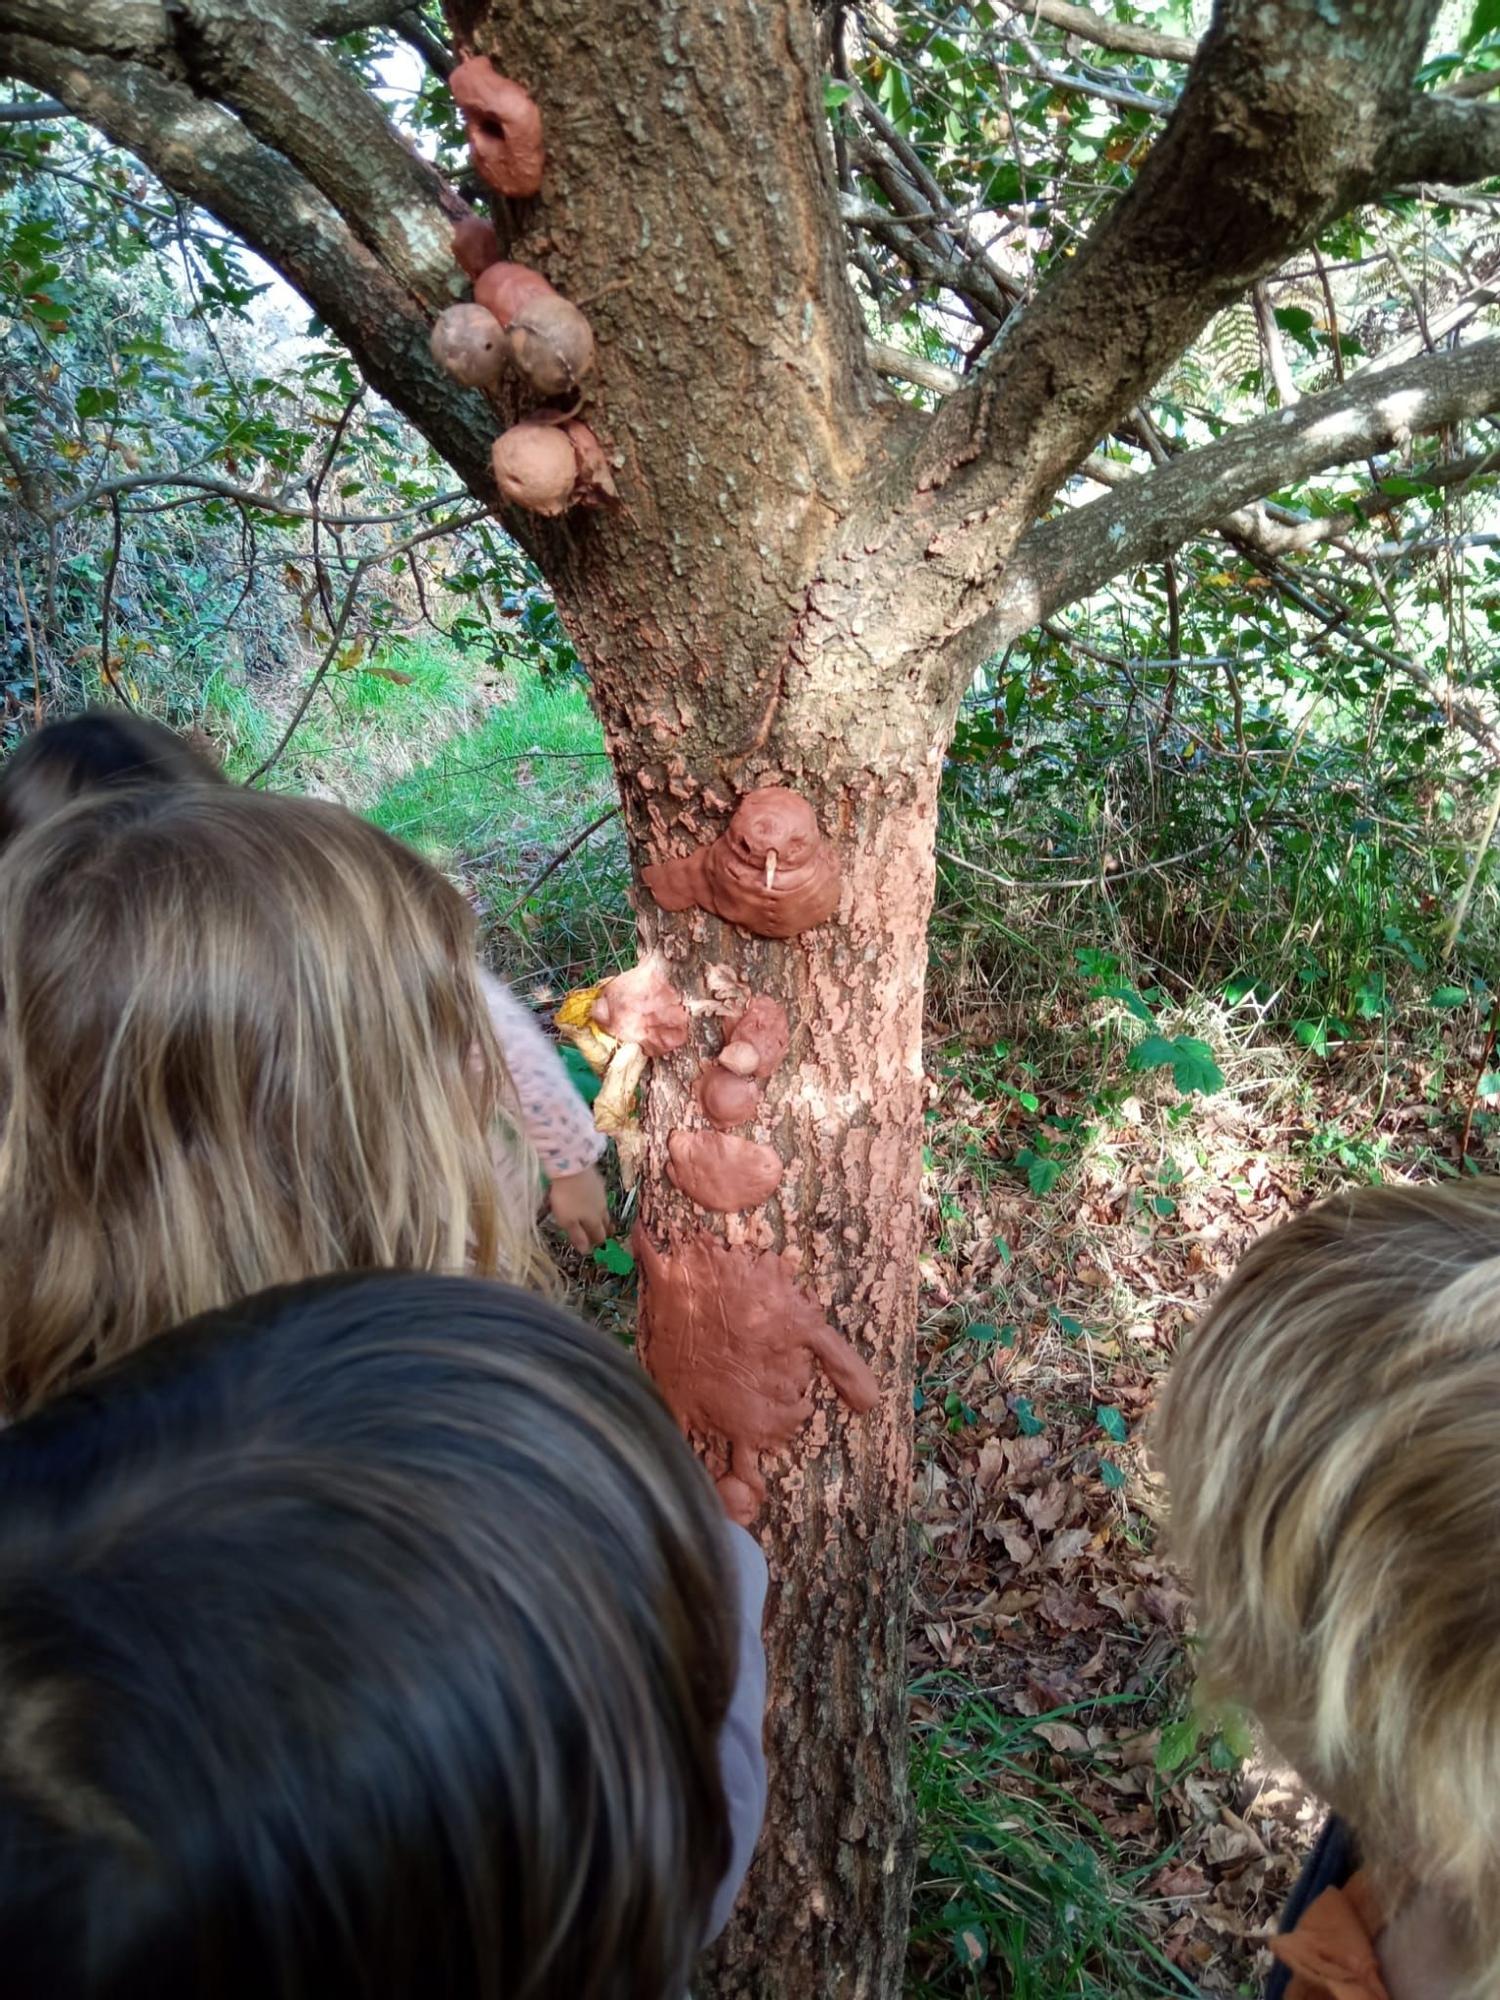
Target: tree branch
(39, 111)
(1442, 138)
(1123, 36)
(206, 155)
(1286, 113)
(1145, 519)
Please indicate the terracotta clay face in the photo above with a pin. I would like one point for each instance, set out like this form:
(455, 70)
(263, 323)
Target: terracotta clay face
(469, 344)
(475, 246)
(727, 1099)
(721, 1171)
(730, 1341)
(644, 1007)
(504, 127)
(756, 1044)
(771, 872)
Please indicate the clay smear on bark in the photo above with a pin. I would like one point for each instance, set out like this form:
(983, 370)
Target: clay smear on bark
(731, 1341)
(771, 871)
(504, 127)
(475, 246)
(722, 1171)
(727, 1100)
(643, 1006)
(756, 1044)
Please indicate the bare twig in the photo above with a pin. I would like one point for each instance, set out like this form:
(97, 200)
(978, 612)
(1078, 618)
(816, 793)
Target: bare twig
(1486, 1051)
(106, 606)
(1123, 36)
(1461, 908)
(367, 563)
(1105, 879)
(906, 367)
(36, 672)
(563, 854)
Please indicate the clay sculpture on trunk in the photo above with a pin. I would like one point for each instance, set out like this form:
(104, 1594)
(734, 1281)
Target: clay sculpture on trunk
(731, 1341)
(642, 1005)
(504, 127)
(721, 1171)
(772, 871)
(469, 344)
(756, 1044)
(725, 1099)
(549, 461)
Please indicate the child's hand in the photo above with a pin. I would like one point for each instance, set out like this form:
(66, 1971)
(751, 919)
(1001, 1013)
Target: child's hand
(580, 1208)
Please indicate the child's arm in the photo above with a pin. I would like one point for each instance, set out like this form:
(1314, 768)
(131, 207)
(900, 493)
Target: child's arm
(742, 1756)
(555, 1118)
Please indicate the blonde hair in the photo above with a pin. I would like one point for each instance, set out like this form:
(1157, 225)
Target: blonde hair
(1331, 1439)
(241, 1042)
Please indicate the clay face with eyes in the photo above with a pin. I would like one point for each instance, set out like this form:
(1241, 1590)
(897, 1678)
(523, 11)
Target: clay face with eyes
(772, 871)
(504, 127)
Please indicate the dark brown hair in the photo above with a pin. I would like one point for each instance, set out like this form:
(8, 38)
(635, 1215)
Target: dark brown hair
(370, 1639)
(94, 751)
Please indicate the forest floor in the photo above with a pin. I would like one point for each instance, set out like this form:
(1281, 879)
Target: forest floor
(1087, 1829)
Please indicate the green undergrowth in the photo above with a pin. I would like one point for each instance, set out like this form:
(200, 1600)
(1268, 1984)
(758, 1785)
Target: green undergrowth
(499, 803)
(366, 727)
(1019, 1891)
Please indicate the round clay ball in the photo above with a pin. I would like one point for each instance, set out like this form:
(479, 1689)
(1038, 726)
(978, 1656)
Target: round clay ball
(551, 343)
(535, 468)
(469, 344)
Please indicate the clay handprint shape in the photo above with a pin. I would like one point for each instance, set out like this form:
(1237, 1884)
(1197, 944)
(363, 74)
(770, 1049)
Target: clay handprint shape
(730, 1341)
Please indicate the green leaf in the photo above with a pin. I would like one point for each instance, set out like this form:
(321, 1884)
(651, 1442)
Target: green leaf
(1030, 1423)
(1111, 1474)
(1179, 1743)
(1112, 1422)
(1131, 998)
(1450, 996)
(1043, 1175)
(615, 1257)
(983, 1332)
(835, 94)
(580, 1075)
(1163, 1204)
(1194, 1068)
(1489, 1084)
(1485, 20)
(1151, 1052)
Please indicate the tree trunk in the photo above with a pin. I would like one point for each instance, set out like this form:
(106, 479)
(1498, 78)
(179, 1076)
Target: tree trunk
(825, 1913)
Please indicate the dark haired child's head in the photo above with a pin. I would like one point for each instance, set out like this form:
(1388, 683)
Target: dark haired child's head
(95, 751)
(369, 1639)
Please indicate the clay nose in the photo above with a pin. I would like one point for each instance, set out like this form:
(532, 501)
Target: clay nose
(770, 868)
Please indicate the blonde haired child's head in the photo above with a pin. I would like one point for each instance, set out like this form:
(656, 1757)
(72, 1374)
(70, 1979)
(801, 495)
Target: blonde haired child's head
(1331, 1440)
(241, 1043)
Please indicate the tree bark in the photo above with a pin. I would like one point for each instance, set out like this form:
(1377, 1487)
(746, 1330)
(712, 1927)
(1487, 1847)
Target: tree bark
(797, 577)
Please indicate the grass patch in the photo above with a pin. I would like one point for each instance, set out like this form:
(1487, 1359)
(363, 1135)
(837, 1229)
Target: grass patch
(366, 727)
(1019, 1890)
(496, 804)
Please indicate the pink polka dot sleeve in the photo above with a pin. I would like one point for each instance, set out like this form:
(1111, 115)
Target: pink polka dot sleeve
(553, 1116)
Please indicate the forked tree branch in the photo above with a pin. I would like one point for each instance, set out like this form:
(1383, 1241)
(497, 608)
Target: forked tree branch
(1442, 138)
(1124, 36)
(1145, 519)
(206, 154)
